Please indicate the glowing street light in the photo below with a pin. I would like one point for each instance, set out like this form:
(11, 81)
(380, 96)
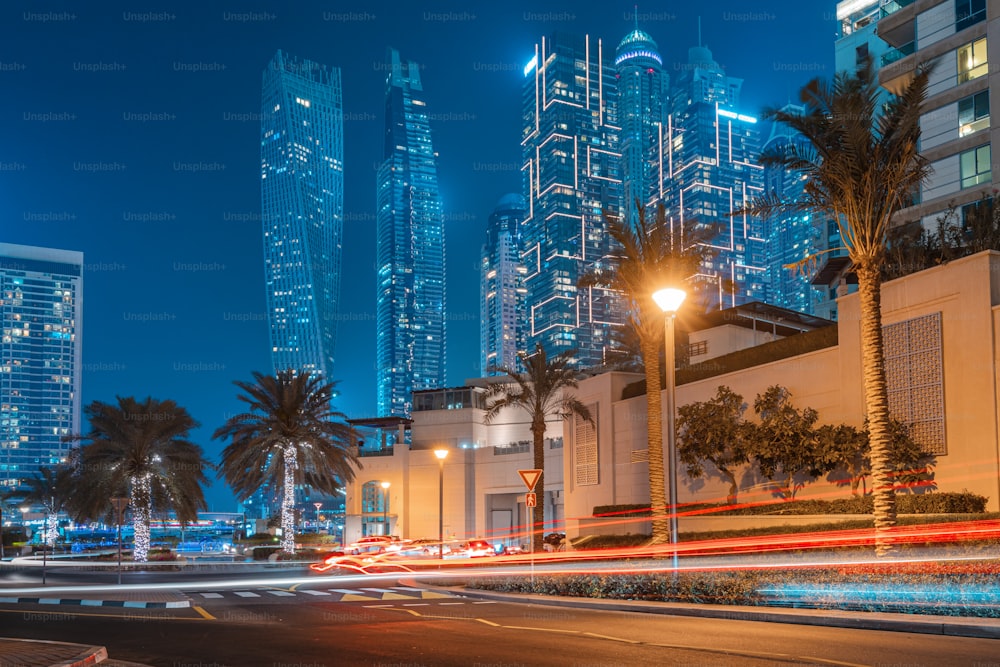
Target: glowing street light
(441, 454)
(669, 299)
(385, 507)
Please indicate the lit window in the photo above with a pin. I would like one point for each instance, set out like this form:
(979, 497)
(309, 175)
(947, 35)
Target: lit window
(975, 166)
(974, 113)
(972, 61)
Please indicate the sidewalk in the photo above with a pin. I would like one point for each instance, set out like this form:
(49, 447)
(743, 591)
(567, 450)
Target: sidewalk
(131, 597)
(32, 653)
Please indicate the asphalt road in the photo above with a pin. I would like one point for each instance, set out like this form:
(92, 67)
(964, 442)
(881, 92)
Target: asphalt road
(330, 623)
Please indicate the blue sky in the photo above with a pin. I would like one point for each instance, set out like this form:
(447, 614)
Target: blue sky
(130, 133)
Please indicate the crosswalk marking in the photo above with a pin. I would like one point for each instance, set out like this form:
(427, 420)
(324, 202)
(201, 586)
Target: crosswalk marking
(369, 594)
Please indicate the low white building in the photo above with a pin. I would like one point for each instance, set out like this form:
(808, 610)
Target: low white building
(942, 333)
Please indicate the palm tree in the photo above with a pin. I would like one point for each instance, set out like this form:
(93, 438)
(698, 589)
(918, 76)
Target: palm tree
(864, 169)
(290, 436)
(140, 449)
(651, 255)
(541, 392)
(52, 488)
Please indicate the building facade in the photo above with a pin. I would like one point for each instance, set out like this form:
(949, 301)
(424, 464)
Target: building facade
(501, 287)
(41, 342)
(410, 253)
(956, 125)
(302, 207)
(790, 237)
(643, 107)
(709, 170)
(572, 178)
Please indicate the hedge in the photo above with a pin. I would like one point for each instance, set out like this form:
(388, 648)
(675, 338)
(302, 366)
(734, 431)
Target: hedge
(925, 503)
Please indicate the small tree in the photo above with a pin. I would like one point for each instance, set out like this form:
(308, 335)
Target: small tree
(713, 431)
(847, 447)
(844, 446)
(784, 442)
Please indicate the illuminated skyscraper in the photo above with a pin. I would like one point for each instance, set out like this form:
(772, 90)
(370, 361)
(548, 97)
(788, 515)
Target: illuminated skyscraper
(709, 169)
(302, 204)
(410, 309)
(501, 290)
(41, 311)
(572, 175)
(643, 109)
(791, 237)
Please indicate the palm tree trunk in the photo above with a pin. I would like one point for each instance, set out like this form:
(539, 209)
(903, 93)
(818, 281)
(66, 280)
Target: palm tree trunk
(538, 516)
(288, 501)
(654, 437)
(141, 496)
(876, 405)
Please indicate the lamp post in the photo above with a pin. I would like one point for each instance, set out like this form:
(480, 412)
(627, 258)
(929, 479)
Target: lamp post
(119, 504)
(669, 299)
(385, 507)
(441, 454)
(1, 531)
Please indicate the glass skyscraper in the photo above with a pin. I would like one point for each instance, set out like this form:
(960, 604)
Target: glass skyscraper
(41, 313)
(708, 161)
(410, 304)
(302, 205)
(572, 177)
(791, 237)
(643, 88)
(501, 289)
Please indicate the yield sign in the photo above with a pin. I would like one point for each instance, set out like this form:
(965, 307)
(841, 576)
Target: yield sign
(530, 477)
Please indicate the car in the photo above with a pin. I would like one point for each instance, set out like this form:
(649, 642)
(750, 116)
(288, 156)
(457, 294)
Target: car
(478, 549)
(374, 544)
(423, 548)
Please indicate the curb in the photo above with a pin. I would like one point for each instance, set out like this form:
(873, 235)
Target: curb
(84, 602)
(81, 655)
(983, 628)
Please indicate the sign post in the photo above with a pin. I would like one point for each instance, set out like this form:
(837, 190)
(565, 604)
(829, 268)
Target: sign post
(530, 479)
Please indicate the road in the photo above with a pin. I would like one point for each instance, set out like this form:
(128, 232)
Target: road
(336, 621)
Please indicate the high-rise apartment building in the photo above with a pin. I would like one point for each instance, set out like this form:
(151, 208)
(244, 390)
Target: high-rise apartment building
(956, 125)
(572, 178)
(41, 316)
(410, 309)
(709, 169)
(501, 288)
(643, 108)
(302, 206)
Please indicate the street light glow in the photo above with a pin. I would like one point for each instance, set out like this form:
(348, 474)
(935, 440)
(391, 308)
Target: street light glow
(441, 453)
(669, 299)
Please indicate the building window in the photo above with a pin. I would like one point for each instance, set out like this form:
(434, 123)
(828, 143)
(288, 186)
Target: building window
(914, 371)
(969, 12)
(975, 166)
(585, 464)
(974, 113)
(972, 61)
(695, 349)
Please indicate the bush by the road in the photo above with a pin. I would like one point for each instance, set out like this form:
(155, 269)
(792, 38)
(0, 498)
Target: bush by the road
(951, 589)
(925, 503)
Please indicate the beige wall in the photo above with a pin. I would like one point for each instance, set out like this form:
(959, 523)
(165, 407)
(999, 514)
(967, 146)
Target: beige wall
(965, 291)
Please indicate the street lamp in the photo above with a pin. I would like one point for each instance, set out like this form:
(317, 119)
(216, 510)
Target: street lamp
(385, 507)
(669, 299)
(119, 505)
(441, 454)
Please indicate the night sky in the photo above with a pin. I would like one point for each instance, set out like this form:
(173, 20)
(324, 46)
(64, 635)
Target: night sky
(130, 132)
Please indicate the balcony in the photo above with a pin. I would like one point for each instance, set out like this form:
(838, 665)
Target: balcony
(892, 55)
(893, 6)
